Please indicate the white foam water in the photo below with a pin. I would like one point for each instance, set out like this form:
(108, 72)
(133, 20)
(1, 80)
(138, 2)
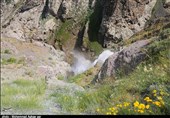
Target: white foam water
(102, 57)
(81, 64)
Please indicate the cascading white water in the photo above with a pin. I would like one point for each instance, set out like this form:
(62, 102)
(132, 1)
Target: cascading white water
(82, 64)
(102, 57)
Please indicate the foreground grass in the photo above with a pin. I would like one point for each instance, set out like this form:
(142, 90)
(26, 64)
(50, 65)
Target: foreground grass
(22, 94)
(98, 99)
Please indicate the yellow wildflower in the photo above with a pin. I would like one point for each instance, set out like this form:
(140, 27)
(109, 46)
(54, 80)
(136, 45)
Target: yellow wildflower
(126, 104)
(159, 98)
(162, 93)
(108, 113)
(119, 105)
(112, 108)
(145, 69)
(154, 91)
(147, 106)
(155, 94)
(150, 111)
(162, 102)
(149, 100)
(141, 106)
(165, 65)
(140, 111)
(146, 98)
(136, 104)
(150, 69)
(157, 103)
(98, 110)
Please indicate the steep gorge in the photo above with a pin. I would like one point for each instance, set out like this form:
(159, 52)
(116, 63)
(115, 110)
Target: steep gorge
(86, 42)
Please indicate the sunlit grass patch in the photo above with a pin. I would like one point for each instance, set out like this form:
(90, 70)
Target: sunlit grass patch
(84, 78)
(9, 61)
(22, 94)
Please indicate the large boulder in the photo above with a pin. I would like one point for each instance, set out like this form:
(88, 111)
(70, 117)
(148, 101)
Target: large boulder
(123, 61)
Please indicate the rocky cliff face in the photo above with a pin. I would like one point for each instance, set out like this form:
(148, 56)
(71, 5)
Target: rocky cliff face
(38, 19)
(147, 19)
(35, 19)
(148, 43)
(123, 18)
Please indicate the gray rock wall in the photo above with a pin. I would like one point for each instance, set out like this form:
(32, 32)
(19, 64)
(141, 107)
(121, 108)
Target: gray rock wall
(123, 18)
(35, 19)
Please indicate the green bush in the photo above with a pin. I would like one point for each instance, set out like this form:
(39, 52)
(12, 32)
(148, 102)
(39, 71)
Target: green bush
(96, 47)
(11, 60)
(7, 51)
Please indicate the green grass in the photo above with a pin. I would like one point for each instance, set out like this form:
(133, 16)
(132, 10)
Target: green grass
(9, 61)
(76, 78)
(85, 78)
(96, 47)
(12, 60)
(6, 51)
(93, 46)
(62, 35)
(68, 102)
(22, 94)
(60, 77)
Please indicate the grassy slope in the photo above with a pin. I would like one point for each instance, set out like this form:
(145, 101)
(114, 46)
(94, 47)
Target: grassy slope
(134, 87)
(22, 94)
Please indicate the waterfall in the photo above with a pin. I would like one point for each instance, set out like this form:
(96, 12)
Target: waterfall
(102, 57)
(81, 64)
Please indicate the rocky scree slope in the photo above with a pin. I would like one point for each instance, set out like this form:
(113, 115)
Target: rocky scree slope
(32, 62)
